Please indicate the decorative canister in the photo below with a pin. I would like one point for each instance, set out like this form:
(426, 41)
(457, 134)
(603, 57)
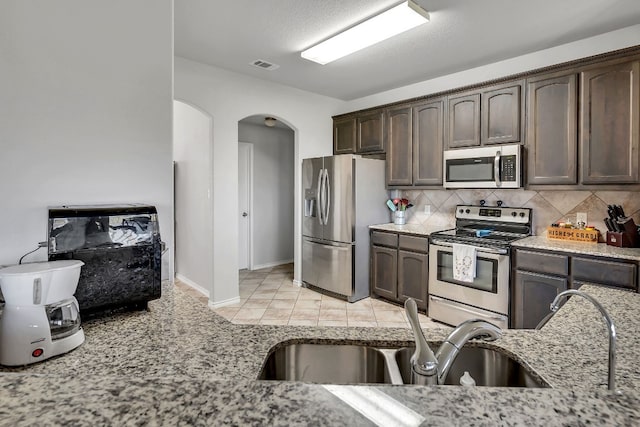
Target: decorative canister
(399, 218)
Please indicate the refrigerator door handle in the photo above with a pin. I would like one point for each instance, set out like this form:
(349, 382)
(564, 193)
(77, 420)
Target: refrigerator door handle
(327, 190)
(319, 196)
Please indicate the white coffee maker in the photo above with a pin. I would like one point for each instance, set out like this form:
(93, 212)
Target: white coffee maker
(41, 318)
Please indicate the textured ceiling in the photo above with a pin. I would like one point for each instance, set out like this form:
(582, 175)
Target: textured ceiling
(462, 34)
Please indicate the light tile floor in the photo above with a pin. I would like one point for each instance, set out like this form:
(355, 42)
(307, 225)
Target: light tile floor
(269, 297)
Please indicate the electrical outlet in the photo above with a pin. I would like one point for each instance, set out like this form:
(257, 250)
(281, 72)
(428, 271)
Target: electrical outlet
(427, 209)
(581, 217)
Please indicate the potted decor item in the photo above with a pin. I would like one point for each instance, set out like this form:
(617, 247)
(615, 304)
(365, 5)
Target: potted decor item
(399, 208)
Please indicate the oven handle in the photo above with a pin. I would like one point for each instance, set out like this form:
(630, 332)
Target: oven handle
(464, 308)
(478, 248)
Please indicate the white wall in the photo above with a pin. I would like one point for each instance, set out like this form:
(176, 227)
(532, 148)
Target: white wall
(273, 193)
(85, 112)
(607, 42)
(229, 97)
(192, 136)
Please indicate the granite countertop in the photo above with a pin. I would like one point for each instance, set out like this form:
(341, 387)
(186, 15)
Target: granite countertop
(595, 249)
(416, 229)
(179, 363)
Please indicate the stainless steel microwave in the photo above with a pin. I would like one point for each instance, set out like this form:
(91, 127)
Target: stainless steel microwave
(498, 166)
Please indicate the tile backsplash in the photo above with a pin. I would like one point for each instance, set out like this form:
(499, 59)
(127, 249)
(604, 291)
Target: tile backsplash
(547, 206)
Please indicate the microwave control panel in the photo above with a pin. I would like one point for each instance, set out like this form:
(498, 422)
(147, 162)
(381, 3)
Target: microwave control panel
(508, 168)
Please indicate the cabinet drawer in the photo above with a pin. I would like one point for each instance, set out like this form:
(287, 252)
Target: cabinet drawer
(605, 272)
(384, 239)
(542, 262)
(413, 243)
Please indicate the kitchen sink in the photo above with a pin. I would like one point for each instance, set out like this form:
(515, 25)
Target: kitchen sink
(360, 364)
(487, 366)
(325, 364)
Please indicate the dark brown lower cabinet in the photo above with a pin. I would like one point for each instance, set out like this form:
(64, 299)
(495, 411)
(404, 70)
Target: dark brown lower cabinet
(384, 265)
(399, 267)
(413, 274)
(532, 295)
(539, 275)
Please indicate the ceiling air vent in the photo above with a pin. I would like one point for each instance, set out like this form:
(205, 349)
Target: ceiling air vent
(259, 63)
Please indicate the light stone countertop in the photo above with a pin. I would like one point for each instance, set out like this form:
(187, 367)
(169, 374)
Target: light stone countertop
(179, 363)
(416, 229)
(595, 249)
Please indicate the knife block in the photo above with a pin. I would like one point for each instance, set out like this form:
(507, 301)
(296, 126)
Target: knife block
(627, 239)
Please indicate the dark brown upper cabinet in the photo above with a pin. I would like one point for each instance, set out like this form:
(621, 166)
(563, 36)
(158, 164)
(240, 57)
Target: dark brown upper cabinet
(502, 114)
(344, 135)
(610, 99)
(415, 139)
(370, 132)
(552, 129)
(399, 146)
(428, 142)
(491, 116)
(464, 120)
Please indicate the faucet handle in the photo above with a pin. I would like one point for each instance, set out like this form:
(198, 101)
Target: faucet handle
(423, 359)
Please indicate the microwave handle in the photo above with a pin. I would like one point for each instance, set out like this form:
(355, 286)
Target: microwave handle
(496, 169)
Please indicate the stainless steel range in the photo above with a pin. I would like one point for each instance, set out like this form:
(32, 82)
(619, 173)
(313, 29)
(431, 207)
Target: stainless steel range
(483, 234)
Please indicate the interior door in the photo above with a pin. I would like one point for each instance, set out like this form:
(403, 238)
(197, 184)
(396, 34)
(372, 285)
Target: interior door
(245, 152)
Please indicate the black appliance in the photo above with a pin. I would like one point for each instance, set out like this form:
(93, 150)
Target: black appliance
(121, 248)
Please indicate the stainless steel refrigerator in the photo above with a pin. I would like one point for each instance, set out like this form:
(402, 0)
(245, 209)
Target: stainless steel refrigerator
(342, 196)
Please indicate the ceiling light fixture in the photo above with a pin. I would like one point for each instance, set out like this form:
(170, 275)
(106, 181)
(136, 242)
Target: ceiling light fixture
(269, 121)
(389, 23)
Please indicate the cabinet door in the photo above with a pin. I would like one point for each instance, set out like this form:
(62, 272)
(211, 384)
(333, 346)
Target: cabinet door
(413, 274)
(384, 270)
(464, 121)
(532, 295)
(399, 148)
(501, 115)
(552, 130)
(610, 98)
(370, 135)
(344, 136)
(428, 142)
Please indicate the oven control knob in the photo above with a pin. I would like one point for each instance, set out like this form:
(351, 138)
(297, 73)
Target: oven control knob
(461, 210)
(514, 214)
(522, 214)
(468, 210)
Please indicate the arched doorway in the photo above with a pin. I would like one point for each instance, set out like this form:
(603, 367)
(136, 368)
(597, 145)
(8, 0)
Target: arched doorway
(266, 156)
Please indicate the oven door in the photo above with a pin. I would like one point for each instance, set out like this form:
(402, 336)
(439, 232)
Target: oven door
(488, 291)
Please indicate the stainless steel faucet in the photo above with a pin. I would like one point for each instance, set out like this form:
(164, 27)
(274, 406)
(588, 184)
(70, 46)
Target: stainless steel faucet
(611, 327)
(428, 368)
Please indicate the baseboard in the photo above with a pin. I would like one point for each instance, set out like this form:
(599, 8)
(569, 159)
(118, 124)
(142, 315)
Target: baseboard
(224, 303)
(272, 264)
(193, 284)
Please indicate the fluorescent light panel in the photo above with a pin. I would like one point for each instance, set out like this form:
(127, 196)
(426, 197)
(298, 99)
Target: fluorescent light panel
(394, 21)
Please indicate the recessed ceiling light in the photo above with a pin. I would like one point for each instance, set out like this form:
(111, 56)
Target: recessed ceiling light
(389, 23)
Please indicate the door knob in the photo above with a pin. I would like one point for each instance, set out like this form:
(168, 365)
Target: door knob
(245, 214)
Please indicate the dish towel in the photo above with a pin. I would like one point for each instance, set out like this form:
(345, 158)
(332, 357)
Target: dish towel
(464, 262)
